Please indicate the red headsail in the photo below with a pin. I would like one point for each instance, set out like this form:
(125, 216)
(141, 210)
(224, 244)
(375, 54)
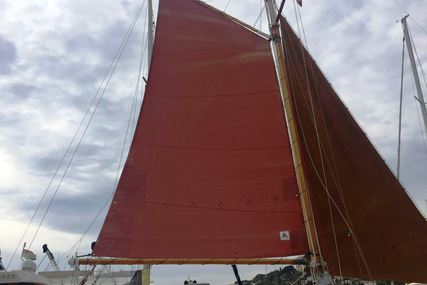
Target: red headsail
(368, 226)
(210, 172)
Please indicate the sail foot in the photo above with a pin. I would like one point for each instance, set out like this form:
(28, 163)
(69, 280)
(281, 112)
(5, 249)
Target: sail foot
(183, 261)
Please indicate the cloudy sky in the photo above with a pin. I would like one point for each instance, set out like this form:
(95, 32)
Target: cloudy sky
(55, 53)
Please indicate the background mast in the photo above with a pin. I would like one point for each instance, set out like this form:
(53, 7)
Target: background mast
(420, 98)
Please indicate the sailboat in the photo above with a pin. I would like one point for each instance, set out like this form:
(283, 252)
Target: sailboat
(244, 154)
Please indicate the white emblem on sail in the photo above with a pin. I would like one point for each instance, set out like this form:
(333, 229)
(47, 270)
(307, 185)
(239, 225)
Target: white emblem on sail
(284, 235)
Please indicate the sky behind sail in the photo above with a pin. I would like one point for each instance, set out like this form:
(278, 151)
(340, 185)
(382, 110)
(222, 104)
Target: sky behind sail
(54, 54)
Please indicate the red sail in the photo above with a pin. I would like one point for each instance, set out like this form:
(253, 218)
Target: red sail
(210, 172)
(368, 226)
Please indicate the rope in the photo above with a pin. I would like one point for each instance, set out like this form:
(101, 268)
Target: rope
(334, 174)
(311, 242)
(77, 244)
(336, 180)
(131, 125)
(107, 202)
(226, 6)
(299, 20)
(121, 49)
(140, 75)
(41, 262)
(347, 223)
(262, 7)
(66, 153)
(416, 23)
(259, 17)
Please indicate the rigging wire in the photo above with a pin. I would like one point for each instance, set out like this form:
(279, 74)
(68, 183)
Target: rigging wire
(66, 151)
(259, 18)
(299, 20)
(121, 49)
(130, 129)
(41, 262)
(313, 264)
(335, 175)
(344, 218)
(262, 7)
(416, 23)
(226, 6)
(335, 178)
(139, 80)
(133, 109)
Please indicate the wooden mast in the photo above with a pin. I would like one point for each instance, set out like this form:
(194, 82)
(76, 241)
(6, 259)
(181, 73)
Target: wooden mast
(278, 51)
(150, 32)
(146, 271)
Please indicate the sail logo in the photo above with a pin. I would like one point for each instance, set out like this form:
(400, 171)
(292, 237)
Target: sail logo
(284, 235)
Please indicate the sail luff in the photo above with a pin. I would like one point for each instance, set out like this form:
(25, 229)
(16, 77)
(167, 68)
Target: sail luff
(293, 135)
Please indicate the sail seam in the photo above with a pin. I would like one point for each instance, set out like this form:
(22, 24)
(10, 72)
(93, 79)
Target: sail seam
(216, 95)
(195, 206)
(211, 149)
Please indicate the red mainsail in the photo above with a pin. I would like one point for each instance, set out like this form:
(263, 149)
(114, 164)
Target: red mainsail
(210, 172)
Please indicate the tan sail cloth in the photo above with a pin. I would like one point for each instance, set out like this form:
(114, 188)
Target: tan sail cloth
(379, 233)
(210, 172)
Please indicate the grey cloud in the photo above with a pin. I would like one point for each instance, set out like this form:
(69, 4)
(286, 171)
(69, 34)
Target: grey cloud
(78, 210)
(8, 55)
(107, 43)
(22, 91)
(57, 67)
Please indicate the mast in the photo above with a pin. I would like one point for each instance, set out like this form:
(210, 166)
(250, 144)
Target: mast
(293, 136)
(150, 31)
(420, 97)
(146, 271)
(400, 109)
